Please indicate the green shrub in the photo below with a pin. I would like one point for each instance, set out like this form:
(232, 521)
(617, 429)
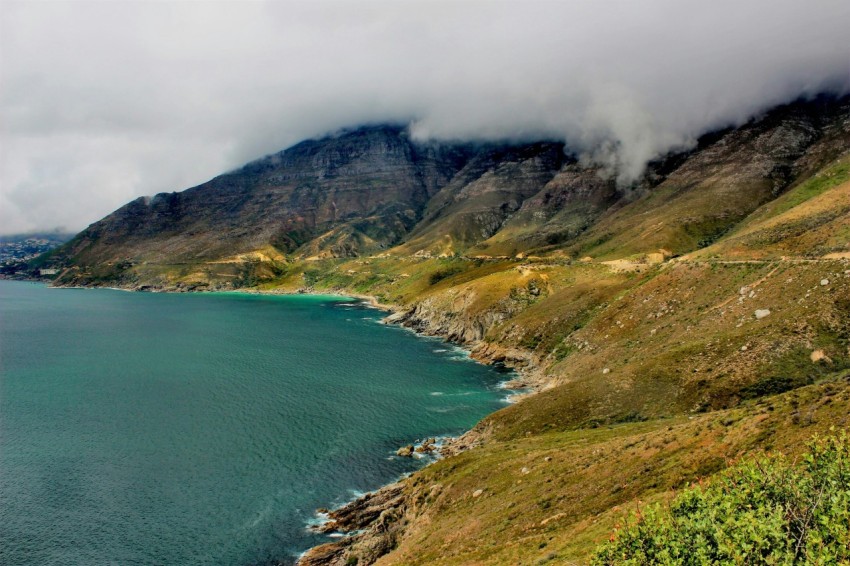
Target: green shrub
(764, 511)
(444, 273)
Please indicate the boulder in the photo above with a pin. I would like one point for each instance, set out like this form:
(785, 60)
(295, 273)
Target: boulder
(820, 356)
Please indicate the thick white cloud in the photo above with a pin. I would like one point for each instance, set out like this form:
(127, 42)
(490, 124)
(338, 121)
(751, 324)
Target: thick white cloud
(104, 101)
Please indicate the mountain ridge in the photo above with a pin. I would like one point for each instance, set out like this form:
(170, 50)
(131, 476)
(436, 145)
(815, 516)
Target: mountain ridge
(375, 190)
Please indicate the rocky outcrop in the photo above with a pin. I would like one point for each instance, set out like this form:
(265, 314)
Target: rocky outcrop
(405, 451)
(488, 191)
(374, 520)
(450, 316)
(431, 318)
(563, 208)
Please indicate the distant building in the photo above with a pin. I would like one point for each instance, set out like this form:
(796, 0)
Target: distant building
(49, 271)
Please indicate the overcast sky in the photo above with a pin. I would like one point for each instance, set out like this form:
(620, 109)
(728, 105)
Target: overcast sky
(101, 102)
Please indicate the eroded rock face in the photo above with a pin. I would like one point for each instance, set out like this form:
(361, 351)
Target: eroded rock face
(365, 187)
(376, 514)
(487, 192)
(561, 210)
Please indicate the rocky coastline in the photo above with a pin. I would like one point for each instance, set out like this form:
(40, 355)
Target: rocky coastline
(371, 525)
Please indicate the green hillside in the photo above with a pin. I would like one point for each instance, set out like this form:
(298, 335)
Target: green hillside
(662, 330)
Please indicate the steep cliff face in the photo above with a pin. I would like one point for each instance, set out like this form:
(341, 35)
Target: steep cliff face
(487, 192)
(563, 208)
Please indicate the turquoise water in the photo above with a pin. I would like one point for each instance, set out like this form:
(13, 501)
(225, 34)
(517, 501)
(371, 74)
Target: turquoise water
(144, 428)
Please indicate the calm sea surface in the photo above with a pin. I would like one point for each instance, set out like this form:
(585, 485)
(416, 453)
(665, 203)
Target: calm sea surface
(144, 428)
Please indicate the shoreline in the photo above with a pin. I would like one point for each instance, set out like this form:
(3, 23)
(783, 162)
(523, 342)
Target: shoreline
(355, 520)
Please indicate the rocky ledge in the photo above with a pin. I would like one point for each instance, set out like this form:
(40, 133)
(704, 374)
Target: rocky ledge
(372, 524)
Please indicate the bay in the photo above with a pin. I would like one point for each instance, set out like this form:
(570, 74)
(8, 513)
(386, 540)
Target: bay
(145, 428)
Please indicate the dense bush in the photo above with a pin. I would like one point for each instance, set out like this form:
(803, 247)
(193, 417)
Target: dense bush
(764, 511)
(444, 273)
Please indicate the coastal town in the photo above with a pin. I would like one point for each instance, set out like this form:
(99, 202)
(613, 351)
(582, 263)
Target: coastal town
(21, 248)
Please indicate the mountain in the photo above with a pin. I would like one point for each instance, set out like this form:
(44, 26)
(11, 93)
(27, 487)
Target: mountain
(662, 329)
(358, 191)
(375, 190)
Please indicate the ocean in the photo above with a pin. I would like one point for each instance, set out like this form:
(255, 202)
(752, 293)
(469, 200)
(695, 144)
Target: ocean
(152, 428)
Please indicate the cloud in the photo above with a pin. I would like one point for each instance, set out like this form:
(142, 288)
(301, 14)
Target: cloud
(101, 102)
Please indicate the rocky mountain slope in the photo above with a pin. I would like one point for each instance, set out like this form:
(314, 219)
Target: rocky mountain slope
(358, 191)
(666, 327)
(374, 190)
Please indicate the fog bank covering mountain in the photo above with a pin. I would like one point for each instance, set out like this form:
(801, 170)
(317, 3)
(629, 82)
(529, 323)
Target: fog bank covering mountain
(102, 102)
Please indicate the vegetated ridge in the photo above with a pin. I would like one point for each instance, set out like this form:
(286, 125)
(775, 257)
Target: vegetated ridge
(697, 316)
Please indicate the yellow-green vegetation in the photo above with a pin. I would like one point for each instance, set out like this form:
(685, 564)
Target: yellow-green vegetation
(767, 510)
(680, 217)
(832, 176)
(812, 219)
(555, 496)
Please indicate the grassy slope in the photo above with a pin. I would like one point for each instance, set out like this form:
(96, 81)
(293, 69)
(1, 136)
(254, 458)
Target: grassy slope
(554, 496)
(694, 378)
(812, 219)
(685, 339)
